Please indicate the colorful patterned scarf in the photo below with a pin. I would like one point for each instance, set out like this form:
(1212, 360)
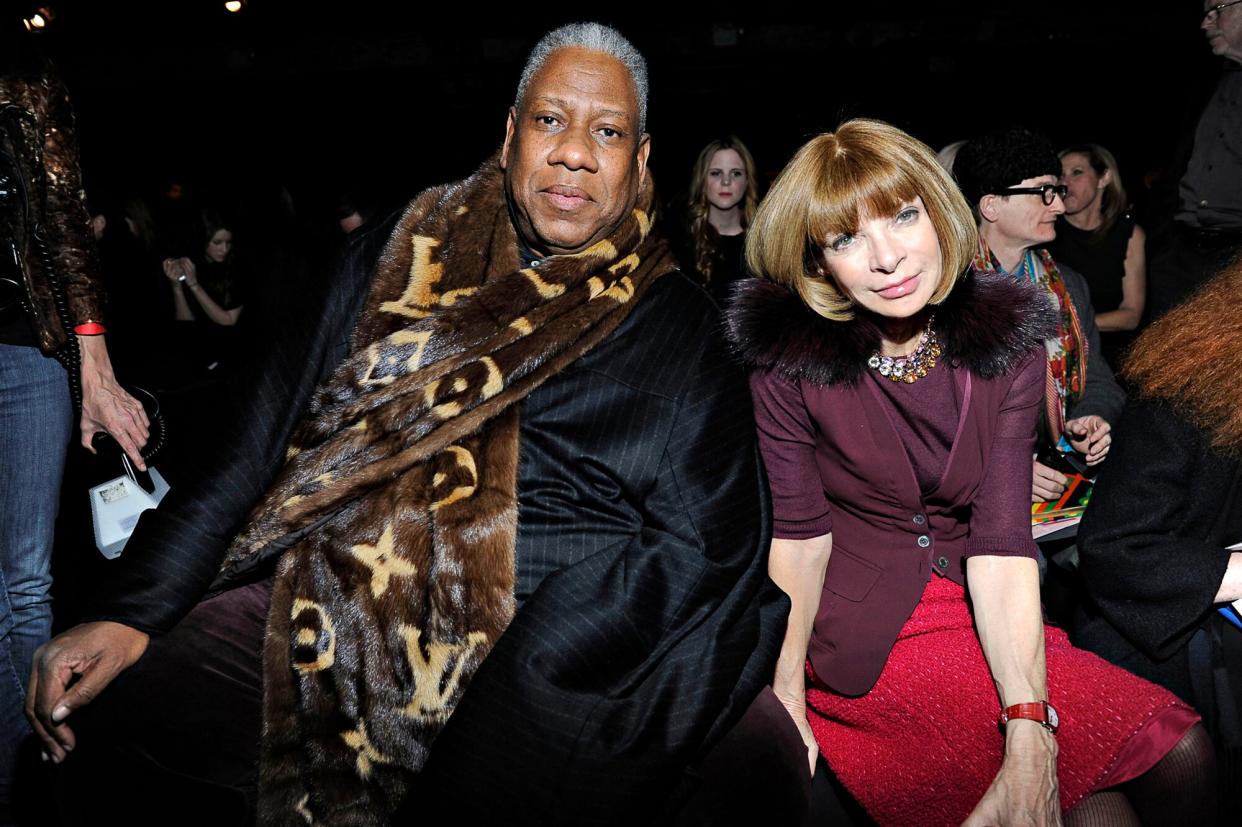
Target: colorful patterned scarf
(1067, 351)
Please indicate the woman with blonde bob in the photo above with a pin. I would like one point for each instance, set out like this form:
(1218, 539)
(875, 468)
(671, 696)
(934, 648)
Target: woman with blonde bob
(896, 394)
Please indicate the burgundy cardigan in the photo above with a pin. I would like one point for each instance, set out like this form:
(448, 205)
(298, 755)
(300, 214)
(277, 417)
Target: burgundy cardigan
(887, 537)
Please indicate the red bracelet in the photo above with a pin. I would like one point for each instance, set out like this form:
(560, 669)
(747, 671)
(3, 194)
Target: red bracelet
(90, 329)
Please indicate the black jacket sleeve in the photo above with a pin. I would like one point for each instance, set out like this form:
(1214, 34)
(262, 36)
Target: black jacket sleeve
(1147, 549)
(176, 549)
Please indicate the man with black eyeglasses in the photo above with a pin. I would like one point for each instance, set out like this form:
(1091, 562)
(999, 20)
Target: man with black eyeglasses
(1206, 230)
(1011, 177)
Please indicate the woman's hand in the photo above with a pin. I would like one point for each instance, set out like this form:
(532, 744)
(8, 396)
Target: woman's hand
(796, 706)
(797, 567)
(175, 268)
(1024, 792)
(1047, 483)
(1090, 436)
(106, 406)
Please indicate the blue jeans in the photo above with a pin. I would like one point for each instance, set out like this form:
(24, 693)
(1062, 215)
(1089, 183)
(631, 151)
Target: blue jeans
(36, 419)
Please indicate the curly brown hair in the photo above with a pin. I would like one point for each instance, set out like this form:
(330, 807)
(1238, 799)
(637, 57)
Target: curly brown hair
(1191, 358)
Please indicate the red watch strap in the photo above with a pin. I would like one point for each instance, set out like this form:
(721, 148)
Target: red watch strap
(90, 329)
(1037, 711)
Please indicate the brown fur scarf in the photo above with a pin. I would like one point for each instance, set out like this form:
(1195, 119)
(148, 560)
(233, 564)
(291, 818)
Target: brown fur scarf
(396, 514)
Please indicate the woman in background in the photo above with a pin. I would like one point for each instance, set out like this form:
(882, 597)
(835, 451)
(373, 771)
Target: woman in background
(208, 291)
(1098, 238)
(723, 197)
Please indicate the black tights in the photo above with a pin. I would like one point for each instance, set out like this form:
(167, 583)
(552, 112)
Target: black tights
(1179, 790)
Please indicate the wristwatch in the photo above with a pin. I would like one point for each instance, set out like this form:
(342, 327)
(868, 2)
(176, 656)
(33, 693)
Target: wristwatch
(1041, 712)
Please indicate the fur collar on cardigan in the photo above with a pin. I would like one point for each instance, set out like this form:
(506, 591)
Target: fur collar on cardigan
(987, 324)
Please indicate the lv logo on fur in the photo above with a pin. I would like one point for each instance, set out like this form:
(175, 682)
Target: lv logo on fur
(395, 517)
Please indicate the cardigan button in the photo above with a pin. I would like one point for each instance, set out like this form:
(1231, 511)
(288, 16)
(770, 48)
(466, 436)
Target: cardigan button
(919, 519)
(924, 541)
(942, 562)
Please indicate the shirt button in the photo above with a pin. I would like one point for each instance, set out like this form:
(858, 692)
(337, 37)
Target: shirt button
(919, 519)
(924, 541)
(1203, 203)
(942, 561)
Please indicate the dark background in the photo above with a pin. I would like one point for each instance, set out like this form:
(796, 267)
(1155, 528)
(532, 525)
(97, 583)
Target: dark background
(313, 98)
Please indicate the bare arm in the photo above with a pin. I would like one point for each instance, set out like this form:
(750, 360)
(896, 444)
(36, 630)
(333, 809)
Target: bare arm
(173, 269)
(181, 307)
(1133, 288)
(1005, 593)
(797, 567)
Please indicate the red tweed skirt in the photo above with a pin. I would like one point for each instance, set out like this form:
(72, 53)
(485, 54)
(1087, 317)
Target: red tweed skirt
(922, 746)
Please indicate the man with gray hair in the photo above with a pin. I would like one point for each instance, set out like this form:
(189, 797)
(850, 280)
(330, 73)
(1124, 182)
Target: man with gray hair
(512, 562)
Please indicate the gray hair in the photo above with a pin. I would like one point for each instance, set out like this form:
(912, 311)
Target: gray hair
(594, 37)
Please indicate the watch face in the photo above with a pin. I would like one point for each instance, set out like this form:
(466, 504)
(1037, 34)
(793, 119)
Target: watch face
(1054, 720)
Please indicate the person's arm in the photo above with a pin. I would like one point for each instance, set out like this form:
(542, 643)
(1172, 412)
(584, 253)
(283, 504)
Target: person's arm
(1133, 287)
(105, 405)
(803, 525)
(798, 567)
(1103, 396)
(1003, 579)
(1145, 558)
(181, 306)
(175, 551)
(174, 270)
(1005, 595)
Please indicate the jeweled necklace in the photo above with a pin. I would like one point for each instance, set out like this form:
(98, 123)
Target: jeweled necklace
(911, 367)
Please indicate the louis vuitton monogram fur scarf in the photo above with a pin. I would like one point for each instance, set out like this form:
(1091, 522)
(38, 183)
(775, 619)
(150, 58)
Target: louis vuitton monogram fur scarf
(395, 516)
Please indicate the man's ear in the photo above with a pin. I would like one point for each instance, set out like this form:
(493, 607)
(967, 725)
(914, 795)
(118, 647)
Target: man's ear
(989, 207)
(510, 126)
(644, 150)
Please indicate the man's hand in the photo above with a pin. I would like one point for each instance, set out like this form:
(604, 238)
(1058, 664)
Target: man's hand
(1024, 792)
(94, 654)
(1091, 436)
(107, 407)
(1047, 483)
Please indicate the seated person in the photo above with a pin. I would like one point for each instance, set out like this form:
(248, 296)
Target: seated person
(1152, 546)
(896, 392)
(519, 536)
(1011, 179)
(1097, 237)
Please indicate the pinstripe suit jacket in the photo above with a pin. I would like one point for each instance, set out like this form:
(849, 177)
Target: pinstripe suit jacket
(646, 624)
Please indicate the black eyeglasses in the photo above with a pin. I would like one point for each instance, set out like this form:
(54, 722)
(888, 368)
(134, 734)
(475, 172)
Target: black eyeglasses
(1049, 192)
(1214, 12)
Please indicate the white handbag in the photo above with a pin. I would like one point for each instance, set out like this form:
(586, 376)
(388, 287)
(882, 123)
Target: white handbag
(117, 504)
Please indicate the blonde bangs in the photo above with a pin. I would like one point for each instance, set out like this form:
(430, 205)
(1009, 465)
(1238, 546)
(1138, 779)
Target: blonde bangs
(857, 189)
(835, 182)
